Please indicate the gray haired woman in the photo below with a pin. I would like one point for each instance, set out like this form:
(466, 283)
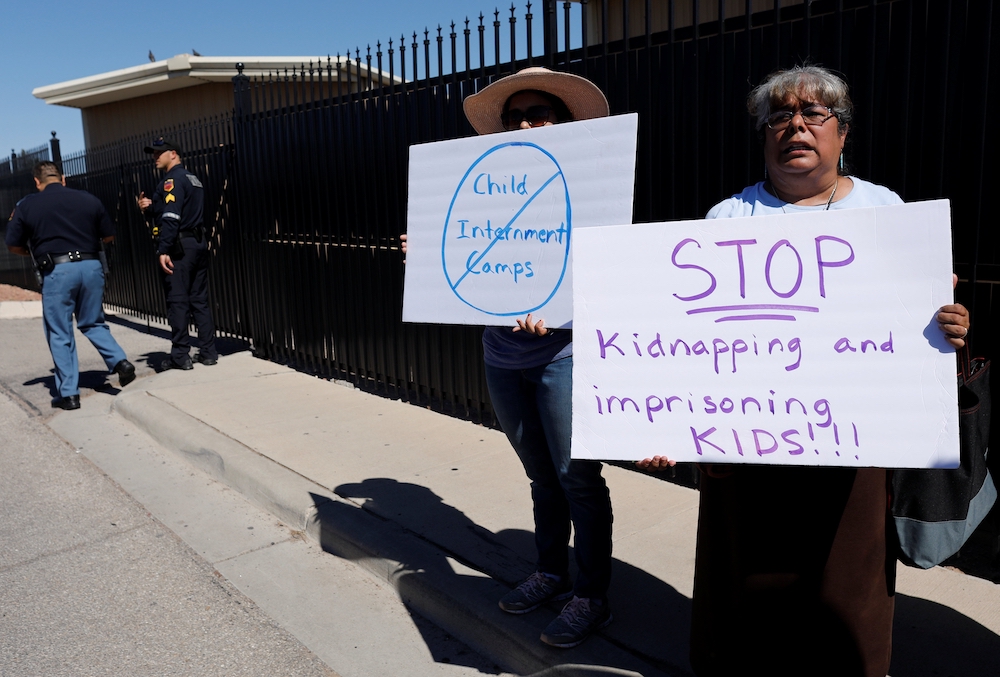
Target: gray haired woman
(795, 566)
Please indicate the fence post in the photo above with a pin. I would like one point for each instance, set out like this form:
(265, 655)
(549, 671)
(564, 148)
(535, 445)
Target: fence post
(241, 93)
(13, 161)
(550, 29)
(54, 152)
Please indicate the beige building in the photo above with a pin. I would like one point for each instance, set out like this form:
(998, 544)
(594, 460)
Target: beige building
(174, 92)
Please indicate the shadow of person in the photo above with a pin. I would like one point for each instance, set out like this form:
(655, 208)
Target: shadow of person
(932, 639)
(652, 618)
(49, 382)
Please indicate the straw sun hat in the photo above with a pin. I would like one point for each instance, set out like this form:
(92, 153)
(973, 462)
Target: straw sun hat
(581, 96)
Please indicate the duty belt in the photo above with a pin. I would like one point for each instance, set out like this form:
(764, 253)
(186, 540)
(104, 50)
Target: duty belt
(69, 257)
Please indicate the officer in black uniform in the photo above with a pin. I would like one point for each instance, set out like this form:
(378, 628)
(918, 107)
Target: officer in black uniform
(62, 230)
(177, 211)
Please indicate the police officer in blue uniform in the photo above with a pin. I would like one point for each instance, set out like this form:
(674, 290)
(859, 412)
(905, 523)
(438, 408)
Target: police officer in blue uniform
(62, 229)
(182, 247)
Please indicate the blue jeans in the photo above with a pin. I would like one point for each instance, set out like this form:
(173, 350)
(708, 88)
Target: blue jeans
(534, 407)
(76, 289)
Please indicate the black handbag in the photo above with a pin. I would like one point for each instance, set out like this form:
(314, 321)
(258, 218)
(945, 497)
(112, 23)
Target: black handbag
(935, 511)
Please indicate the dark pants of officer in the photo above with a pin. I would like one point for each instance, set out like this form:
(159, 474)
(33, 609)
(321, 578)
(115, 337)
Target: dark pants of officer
(187, 297)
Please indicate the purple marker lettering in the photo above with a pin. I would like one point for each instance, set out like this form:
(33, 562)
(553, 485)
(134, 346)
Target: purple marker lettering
(795, 346)
(857, 443)
(718, 347)
(610, 343)
(739, 255)
(650, 410)
(767, 269)
(655, 348)
(798, 447)
(736, 438)
(843, 345)
(621, 403)
(739, 346)
(756, 442)
(687, 266)
(703, 437)
(887, 346)
(821, 263)
(822, 407)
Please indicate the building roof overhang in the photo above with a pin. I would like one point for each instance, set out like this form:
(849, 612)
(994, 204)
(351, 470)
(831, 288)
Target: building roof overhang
(178, 72)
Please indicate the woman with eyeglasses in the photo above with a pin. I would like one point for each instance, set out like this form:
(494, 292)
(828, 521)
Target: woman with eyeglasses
(795, 566)
(529, 375)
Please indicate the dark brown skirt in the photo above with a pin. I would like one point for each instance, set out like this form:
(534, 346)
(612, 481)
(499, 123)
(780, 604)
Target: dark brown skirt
(794, 574)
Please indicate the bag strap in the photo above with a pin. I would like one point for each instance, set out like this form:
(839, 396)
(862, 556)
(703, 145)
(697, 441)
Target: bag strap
(965, 361)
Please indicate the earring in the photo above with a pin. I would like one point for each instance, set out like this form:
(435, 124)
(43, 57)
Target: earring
(765, 171)
(841, 162)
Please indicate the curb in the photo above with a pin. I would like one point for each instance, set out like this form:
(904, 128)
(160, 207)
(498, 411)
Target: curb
(432, 582)
(20, 310)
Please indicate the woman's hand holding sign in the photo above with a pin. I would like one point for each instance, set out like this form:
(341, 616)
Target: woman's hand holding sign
(655, 464)
(535, 327)
(954, 320)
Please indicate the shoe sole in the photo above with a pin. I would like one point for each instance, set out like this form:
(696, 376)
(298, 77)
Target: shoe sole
(555, 598)
(570, 645)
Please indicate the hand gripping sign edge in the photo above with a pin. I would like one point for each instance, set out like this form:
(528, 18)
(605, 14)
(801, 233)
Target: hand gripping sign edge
(453, 285)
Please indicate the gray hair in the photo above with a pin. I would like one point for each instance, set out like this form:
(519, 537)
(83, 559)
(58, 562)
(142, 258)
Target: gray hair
(810, 82)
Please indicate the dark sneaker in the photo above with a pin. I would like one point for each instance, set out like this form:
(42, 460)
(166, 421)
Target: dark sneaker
(170, 364)
(580, 617)
(207, 361)
(125, 371)
(534, 592)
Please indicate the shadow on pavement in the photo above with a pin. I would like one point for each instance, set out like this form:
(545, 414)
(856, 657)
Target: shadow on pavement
(931, 639)
(652, 620)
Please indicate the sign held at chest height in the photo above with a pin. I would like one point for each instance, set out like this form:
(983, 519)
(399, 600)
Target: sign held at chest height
(799, 339)
(491, 219)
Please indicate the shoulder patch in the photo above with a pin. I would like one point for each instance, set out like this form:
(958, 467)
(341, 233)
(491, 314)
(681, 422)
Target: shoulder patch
(195, 181)
(168, 185)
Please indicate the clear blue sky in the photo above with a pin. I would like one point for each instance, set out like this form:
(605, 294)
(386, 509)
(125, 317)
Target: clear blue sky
(50, 42)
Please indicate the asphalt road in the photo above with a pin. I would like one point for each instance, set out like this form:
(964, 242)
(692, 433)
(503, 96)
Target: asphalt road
(92, 584)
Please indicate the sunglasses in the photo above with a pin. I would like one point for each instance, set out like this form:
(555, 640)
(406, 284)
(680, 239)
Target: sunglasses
(535, 116)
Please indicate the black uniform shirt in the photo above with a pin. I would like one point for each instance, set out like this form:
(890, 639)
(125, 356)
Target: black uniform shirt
(178, 206)
(59, 220)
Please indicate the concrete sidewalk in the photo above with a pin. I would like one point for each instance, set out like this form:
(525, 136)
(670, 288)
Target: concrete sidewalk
(441, 509)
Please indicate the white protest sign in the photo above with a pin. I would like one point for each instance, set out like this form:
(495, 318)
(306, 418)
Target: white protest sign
(490, 218)
(799, 339)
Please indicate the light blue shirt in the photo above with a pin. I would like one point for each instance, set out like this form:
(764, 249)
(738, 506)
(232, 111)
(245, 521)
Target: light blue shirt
(756, 201)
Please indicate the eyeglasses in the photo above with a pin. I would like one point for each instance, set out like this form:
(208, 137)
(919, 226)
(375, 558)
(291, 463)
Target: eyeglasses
(535, 115)
(814, 116)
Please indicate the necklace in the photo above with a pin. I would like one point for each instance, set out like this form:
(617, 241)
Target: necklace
(774, 191)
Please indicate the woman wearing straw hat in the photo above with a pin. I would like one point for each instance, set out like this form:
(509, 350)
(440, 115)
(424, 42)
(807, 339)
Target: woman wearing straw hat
(529, 374)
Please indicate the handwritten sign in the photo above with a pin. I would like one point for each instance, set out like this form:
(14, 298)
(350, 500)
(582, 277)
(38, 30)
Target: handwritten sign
(491, 219)
(800, 339)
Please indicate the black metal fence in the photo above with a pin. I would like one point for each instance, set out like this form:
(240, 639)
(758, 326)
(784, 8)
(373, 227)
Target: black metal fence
(308, 178)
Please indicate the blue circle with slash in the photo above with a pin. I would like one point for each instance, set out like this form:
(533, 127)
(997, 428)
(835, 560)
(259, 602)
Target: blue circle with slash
(556, 181)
